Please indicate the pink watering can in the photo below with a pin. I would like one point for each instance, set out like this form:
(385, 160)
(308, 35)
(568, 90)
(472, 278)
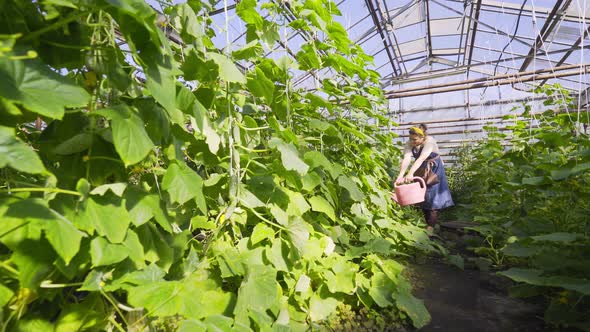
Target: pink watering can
(410, 193)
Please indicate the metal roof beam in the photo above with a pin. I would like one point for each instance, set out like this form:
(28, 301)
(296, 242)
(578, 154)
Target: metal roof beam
(523, 56)
(513, 9)
(372, 11)
(463, 105)
(389, 29)
(552, 19)
(528, 38)
(500, 32)
(490, 81)
(428, 34)
(568, 53)
(484, 79)
(412, 78)
(473, 33)
(541, 83)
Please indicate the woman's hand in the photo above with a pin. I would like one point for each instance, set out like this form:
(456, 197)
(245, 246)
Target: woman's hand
(399, 180)
(409, 178)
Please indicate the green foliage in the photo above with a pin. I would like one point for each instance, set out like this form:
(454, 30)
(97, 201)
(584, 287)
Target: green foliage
(533, 199)
(240, 204)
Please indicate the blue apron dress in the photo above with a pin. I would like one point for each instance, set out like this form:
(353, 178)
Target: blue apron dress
(438, 196)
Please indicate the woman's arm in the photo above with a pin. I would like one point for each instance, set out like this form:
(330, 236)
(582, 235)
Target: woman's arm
(426, 151)
(404, 166)
(405, 163)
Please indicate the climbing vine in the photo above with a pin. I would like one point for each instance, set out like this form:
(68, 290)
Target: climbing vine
(150, 179)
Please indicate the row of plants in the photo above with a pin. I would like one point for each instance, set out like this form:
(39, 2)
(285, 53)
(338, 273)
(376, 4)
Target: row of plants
(150, 183)
(529, 188)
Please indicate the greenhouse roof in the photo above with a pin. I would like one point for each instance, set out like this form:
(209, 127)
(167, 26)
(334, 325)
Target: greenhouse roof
(417, 40)
(427, 47)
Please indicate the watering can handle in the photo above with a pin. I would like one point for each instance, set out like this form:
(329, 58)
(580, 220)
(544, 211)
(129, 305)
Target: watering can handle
(421, 180)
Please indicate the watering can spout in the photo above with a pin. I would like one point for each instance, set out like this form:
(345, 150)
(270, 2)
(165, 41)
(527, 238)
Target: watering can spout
(394, 197)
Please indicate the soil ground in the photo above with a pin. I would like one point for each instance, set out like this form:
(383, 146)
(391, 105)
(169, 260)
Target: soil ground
(470, 299)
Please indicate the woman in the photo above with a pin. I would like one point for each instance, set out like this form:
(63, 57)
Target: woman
(425, 150)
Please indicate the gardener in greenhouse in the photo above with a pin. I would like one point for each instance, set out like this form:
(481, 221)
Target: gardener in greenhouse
(429, 166)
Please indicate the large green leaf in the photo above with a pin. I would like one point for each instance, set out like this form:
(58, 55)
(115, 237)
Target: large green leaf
(559, 237)
(205, 127)
(311, 180)
(278, 255)
(229, 260)
(341, 276)
(185, 20)
(157, 246)
(227, 69)
(89, 314)
(162, 85)
(182, 183)
(320, 204)
(580, 168)
(413, 307)
(195, 297)
(246, 10)
(34, 262)
(347, 183)
(105, 253)
(308, 59)
(150, 274)
(297, 204)
(142, 207)
(518, 249)
(316, 159)
(298, 233)
(62, 234)
(134, 8)
(534, 181)
(39, 89)
(134, 248)
(261, 232)
(535, 277)
(115, 188)
(259, 291)
(289, 156)
(75, 144)
(249, 51)
(338, 34)
(261, 86)
(192, 325)
(381, 289)
(107, 216)
(18, 155)
(321, 308)
(131, 140)
(248, 199)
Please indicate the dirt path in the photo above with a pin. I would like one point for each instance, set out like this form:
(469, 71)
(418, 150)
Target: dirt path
(471, 300)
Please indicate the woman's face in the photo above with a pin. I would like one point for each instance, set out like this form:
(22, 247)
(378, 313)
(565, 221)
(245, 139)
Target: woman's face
(416, 140)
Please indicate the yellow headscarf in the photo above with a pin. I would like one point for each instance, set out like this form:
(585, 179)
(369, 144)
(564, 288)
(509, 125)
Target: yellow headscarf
(417, 130)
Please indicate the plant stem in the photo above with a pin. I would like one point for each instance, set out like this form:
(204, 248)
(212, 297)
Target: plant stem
(48, 284)
(267, 221)
(251, 150)
(251, 129)
(105, 158)
(47, 190)
(9, 268)
(54, 25)
(117, 325)
(113, 302)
